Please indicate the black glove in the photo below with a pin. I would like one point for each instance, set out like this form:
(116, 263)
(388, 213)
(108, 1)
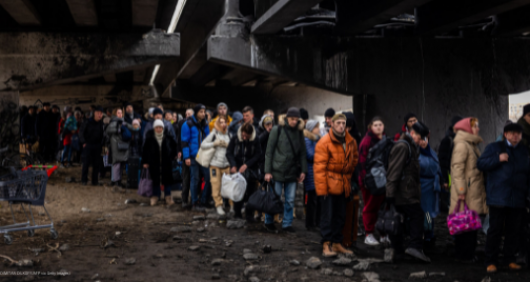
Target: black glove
(390, 201)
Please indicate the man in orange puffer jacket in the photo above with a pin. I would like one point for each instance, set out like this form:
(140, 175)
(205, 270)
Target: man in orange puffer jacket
(336, 156)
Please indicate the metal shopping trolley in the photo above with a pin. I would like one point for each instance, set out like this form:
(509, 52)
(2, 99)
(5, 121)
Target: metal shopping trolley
(25, 187)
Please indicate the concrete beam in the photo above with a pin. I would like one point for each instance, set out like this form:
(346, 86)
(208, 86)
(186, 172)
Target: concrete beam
(512, 23)
(83, 12)
(298, 59)
(280, 14)
(22, 11)
(110, 77)
(144, 12)
(443, 15)
(29, 60)
(358, 16)
(197, 22)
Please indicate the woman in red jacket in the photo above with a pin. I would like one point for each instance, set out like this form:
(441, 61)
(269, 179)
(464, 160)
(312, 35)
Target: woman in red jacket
(372, 203)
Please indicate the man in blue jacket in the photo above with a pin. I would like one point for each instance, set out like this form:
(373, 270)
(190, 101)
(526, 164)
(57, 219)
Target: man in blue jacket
(193, 132)
(507, 166)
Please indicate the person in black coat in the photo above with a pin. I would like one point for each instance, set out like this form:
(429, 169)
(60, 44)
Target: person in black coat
(46, 130)
(130, 115)
(158, 153)
(507, 167)
(445, 152)
(91, 135)
(243, 154)
(27, 129)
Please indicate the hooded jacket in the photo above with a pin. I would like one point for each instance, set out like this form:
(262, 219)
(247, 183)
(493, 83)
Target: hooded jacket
(403, 174)
(159, 159)
(192, 134)
(508, 183)
(526, 132)
(334, 165)
(280, 160)
(113, 132)
(240, 152)
(219, 158)
(466, 177)
(369, 140)
(237, 117)
(311, 141)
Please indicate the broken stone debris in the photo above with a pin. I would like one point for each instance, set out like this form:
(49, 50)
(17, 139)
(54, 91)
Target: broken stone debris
(193, 248)
(180, 229)
(235, 224)
(86, 210)
(130, 261)
(342, 261)
(418, 275)
(348, 272)
(363, 265)
(294, 262)
(250, 256)
(199, 217)
(313, 263)
(130, 201)
(216, 262)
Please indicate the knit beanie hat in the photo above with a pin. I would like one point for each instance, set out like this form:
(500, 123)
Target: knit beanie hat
(420, 128)
(151, 110)
(198, 107)
(510, 126)
(526, 109)
(329, 112)
(157, 111)
(136, 122)
(338, 116)
(311, 124)
(222, 104)
(465, 125)
(293, 112)
(304, 114)
(409, 116)
(350, 119)
(157, 123)
(266, 119)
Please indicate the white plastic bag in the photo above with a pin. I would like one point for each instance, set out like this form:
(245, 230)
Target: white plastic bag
(233, 187)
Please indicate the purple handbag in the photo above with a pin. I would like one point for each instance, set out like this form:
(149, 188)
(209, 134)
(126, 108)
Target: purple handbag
(145, 188)
(464, 221)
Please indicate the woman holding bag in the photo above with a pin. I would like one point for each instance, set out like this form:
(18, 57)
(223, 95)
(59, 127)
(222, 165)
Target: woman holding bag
(467, 183)
(218, 140)
(243, 154)
(119, 135)
(158, 153)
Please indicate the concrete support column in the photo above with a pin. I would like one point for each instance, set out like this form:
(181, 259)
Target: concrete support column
(10, 119)
(231, 24)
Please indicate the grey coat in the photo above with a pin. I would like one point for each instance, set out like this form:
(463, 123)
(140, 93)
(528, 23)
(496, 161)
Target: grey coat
(114, 136)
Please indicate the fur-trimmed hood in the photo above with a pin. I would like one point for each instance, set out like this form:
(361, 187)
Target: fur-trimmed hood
(252, 137)
(310, 135)
(301, 123)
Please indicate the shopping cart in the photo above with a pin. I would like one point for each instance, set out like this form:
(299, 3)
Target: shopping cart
(25, 187)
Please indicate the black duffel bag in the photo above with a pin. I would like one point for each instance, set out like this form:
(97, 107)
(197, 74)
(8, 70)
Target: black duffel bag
(390, 222)
(265, 201)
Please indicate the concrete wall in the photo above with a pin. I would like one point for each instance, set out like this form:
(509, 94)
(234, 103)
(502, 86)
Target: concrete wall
(434, 78)
(265, 96)
(9, 120)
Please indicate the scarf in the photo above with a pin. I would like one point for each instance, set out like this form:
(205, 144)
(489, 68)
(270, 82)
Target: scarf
(159, 138)
(426, 151)
(341, 138)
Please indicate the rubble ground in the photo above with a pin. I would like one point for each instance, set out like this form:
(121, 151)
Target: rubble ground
(103, 238)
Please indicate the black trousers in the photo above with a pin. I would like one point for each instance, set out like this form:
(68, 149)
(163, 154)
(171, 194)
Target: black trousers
(332, 217)
(312, 209)
(252, 186)
(508, 220)
(465, 245)
(185, 183)
(415, 214)
(48, 147)
(91, 156)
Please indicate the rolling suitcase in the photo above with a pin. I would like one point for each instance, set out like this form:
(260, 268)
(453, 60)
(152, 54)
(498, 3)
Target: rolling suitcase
(133, 172)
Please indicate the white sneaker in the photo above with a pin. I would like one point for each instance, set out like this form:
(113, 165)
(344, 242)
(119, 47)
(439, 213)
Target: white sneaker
(385, 240)
(231, 209)
(220, 210)
(370, 240)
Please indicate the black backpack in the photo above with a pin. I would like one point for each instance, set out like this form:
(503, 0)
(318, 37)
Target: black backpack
(377, 165)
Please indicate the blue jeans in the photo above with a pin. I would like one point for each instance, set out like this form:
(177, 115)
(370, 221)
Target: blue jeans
(157, 192)
(195, 171)
(290, 192)
(67, 150)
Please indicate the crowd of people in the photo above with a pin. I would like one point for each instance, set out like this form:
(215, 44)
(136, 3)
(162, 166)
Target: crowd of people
(331, 159)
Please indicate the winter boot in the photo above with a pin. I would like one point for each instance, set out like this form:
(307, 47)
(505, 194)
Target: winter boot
(339, 249)
(326, 250)
(169, 201)
(154, 201)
